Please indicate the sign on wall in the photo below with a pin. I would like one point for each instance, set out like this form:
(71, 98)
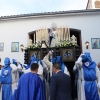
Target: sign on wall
(1, 46)
(15, 47)
(95, 42)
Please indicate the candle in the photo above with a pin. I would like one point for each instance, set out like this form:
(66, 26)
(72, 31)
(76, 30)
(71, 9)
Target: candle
(60, 34)
(41, 33)
(45, 33)
(68, 34)
(47, 37)
(36, 36)
(65, 33)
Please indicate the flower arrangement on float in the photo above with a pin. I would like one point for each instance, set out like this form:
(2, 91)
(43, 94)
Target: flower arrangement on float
(33, 45)
(65, 44)
(60, 44)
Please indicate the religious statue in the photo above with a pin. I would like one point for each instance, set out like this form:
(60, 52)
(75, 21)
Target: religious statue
(53, 35)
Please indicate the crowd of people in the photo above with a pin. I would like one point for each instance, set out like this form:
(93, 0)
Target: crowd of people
(49, 79)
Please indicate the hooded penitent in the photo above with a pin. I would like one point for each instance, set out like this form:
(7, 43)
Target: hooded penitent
(89, 71)
(6, 80)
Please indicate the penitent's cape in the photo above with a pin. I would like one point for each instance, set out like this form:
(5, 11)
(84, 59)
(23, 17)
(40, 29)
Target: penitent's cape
(30, 87)
(90, 77)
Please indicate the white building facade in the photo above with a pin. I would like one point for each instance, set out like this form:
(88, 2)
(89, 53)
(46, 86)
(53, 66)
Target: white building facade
(16, 29)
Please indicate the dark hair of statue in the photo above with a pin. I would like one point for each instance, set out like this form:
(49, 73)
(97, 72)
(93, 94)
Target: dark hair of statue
(34, 66)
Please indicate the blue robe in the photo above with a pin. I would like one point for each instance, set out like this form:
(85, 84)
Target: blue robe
(6, 80)
(89, 70)
(30, 87)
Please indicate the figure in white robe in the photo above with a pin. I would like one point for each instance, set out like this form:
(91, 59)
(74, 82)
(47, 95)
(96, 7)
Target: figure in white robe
(48, 63)
(46, 80)
(53, 40)
(88, 77)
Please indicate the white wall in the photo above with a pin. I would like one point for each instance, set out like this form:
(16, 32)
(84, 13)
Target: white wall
(17, 31)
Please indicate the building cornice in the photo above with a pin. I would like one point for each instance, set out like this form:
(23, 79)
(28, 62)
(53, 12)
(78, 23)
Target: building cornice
(49, 14)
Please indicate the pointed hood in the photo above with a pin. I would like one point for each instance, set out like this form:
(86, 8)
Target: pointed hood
(86, 57)
(6, 62)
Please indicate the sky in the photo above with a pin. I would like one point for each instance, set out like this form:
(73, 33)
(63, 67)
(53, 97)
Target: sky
(16, 7)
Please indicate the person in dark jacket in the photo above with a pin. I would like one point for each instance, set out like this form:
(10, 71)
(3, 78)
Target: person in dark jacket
(60, 85)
